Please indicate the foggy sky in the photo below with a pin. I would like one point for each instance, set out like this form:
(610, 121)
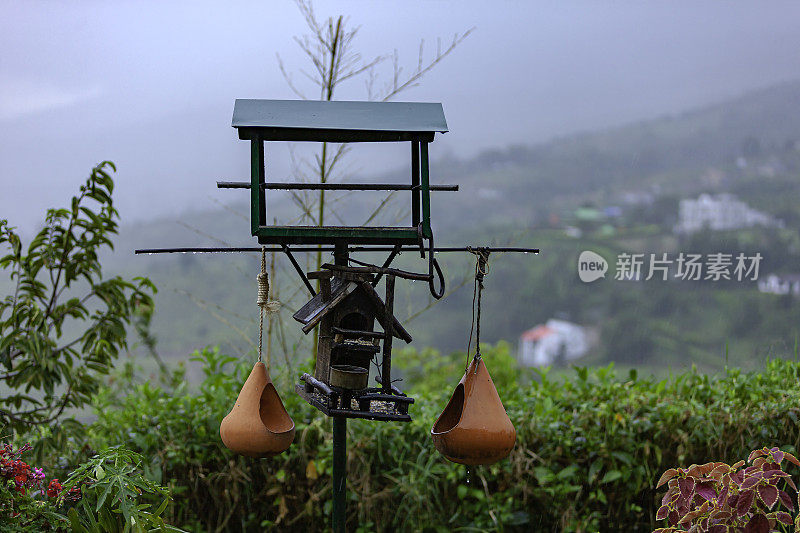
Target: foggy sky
(151, 85)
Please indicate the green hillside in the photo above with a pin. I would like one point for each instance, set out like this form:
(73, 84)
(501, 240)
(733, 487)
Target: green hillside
(528, 195)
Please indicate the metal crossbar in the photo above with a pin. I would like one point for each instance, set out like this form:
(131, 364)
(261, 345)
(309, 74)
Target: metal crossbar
(277, 185)
(249, 249)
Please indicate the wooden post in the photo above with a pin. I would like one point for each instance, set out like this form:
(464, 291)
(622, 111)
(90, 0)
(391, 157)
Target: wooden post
(388, 333)
(339, 515)
(322, 364)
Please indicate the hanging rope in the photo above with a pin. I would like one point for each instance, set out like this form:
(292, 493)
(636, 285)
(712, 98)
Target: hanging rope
(262, 299)
(265, 305)
(481, 271)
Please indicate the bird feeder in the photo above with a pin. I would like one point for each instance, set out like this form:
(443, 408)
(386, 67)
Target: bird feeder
(355, 325)
(346, 311)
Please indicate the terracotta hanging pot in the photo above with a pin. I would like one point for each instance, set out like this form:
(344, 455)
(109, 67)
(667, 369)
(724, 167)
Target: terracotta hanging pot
(258, 425)
(474, 428)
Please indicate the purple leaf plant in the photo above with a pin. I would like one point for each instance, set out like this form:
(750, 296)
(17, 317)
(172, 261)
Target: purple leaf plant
(721, 498)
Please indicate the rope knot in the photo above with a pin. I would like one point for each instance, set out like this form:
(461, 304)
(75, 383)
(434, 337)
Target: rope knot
(262, 299)
(263, 290)
(481, 264)
(481, 271)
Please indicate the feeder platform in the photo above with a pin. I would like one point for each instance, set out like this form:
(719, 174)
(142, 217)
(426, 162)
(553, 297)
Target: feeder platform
(370, 403)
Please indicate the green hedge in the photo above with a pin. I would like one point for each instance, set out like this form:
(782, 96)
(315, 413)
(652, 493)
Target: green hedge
(589, 448)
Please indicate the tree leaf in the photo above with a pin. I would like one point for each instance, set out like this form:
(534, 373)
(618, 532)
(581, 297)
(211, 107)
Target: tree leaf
(662, 512)
(595, 468)
(686, 486)
(666, 476)
(705, 490)
(768, 494)
(757, 524)
(744, 502)
(791, 458)
(786, 500)
(611, 476)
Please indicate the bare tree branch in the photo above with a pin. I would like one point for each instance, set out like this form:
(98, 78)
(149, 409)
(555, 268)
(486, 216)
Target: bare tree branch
(378, 209)
(228, 208)
(332, 60)
(419, 73)
(206, 306)
(288, 78)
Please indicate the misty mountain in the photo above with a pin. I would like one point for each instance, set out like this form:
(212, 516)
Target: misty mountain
(506, 196)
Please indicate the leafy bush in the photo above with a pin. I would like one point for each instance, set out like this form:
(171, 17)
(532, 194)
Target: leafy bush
(589, 449)
(111, 485)
(26, 502)
(102, 495)
(719, 498)
(64, 324)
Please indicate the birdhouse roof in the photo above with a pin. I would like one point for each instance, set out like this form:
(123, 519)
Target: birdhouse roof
(338, 121)
(318, 307)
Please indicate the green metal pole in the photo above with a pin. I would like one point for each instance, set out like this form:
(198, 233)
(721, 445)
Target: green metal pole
(339, 437)
(257, 198)
(415, 194)
(339, 472)
(426, 193)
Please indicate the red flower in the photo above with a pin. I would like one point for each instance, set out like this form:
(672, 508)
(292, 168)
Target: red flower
(21, 468)
(54, 488)
(20, 482)
(74, 494)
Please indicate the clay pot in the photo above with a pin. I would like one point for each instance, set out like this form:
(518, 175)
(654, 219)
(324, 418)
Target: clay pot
(474, 428)
(258, 425)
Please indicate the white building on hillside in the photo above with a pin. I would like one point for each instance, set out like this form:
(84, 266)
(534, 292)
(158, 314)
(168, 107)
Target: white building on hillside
(719, 212)
(780, 284)
(557, 341)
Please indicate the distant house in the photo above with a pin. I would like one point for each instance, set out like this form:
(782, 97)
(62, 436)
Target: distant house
(635, 198)
(557, 341)
(588, 218)
(719, 212)
(588, 214)
(780, 284)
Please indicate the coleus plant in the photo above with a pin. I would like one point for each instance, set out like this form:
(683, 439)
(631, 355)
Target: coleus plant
(721, 498)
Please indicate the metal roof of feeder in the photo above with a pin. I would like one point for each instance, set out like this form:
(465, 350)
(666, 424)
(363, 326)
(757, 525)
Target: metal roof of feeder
(337, 121)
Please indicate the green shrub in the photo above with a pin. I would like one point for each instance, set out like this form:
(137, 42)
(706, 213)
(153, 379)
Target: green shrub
(110, 485)
(64, 323)
(27, 501)
(103, 495)
(589, 449)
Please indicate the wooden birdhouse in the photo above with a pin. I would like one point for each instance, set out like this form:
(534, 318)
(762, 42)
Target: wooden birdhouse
(347, 309)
